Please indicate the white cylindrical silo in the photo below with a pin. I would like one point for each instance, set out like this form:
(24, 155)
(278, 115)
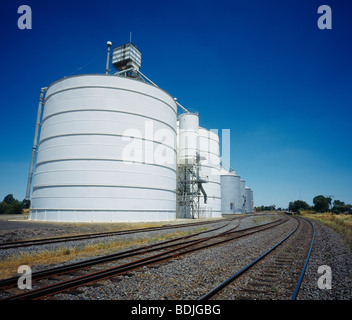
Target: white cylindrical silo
(210, 170)
(248, 200)
(228, 181)
(188, 146)
(231, 200)
(107, 152)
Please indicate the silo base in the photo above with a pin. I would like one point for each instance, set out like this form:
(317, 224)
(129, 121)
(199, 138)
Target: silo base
(100, 216)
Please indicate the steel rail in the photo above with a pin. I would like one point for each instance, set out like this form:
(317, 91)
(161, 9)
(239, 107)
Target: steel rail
(107, 258)
(295, 293)
(184, 249)
(26, 243)
(246, 268)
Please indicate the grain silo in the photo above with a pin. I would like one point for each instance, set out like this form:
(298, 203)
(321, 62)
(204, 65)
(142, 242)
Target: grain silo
(248, 200)
(198, 170)
(110, 148)
(209, 151)
(231, 199)
(188, 141)
(188, 181)
(107, 148)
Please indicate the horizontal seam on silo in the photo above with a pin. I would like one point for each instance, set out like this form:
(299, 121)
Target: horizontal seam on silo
(112, 88)
(99, 144)
(208, 137)
(98, 134)
(94, 197)
(201, 152)
(93, 159)
(116, 111)
(111, 171)
(104, 75)
(102, 210)
(105, 197)
(102, 186)
(216, 141)
(95, 120)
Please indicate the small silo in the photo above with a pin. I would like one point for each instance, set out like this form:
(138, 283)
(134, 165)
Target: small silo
(209, 151)
(228, 185)
(248, 200)
(231, 200)
(107, 151)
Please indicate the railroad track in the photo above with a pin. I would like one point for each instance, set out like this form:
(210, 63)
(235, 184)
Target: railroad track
(36, 242)
(82, 273)
(276, 274)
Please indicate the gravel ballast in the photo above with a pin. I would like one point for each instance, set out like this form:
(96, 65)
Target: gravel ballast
(193, 275)
(330, 250)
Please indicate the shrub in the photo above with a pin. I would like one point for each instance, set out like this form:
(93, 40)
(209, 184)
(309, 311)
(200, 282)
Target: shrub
(10, 205)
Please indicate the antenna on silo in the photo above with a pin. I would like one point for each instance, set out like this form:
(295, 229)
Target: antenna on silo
(130, 36)
(109, 44)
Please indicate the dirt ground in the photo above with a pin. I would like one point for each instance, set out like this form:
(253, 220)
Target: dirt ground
(19, 228)
(15, 228)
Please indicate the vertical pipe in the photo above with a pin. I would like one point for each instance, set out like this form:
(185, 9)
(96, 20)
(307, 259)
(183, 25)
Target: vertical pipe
(108, 57)
(35, 143)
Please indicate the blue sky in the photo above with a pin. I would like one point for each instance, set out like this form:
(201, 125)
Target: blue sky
(262, 69)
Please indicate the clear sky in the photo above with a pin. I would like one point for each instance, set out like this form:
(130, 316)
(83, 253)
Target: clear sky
(261, 68)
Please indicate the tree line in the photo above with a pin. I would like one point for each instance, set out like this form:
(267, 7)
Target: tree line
(10, 205)
(321, 204)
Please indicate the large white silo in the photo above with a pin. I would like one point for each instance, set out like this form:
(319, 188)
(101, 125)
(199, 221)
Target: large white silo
(107, 152)
(231, 200)
(209, 151)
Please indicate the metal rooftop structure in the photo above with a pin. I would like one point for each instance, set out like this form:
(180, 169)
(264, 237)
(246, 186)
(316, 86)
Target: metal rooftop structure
(126, 56)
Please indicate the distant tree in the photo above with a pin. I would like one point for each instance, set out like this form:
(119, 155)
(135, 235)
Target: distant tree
(3, 207)
(321, 203)
(266, 208)
(340, 207)
(298, 205)
(9, 199)
(10, 205)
